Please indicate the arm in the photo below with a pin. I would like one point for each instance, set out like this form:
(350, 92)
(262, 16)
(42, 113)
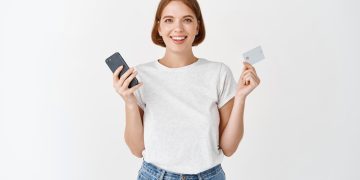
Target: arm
(232, 113)
(231, 127)
(134, 130)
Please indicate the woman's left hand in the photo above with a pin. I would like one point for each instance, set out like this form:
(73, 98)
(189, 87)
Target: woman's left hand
(248, 81)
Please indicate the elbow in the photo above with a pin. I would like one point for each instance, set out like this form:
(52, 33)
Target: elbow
(137, 154)
(229, 150)
(135, 148)
(228, 153)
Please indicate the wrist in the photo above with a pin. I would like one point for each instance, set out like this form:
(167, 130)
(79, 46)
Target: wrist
(240, 99)
(130, 105)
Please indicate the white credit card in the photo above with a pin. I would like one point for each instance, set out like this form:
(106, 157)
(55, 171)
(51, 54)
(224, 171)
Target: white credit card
(253, 56)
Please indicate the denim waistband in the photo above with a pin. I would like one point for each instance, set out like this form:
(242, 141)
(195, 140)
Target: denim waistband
(158, 172)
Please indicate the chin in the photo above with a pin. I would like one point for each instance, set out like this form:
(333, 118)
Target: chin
(178, 49)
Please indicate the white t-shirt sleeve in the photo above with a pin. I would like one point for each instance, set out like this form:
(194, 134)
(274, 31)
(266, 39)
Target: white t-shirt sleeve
(139, 99)
(227, 85)
(139, 94)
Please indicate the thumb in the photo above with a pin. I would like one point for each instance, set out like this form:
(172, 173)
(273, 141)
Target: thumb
(246, 65)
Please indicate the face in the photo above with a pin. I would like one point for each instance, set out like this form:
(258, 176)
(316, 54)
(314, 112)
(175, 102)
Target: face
(178, 26)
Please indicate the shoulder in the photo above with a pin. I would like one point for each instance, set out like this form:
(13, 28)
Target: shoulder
(221, 67)
(211, 64)
(144, 66)
(220, 64)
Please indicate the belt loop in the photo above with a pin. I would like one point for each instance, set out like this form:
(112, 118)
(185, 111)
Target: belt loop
(199, 177)
(162, 174)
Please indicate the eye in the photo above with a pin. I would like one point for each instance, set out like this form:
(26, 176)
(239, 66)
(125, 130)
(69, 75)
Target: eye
(168, 20)
(188, 20)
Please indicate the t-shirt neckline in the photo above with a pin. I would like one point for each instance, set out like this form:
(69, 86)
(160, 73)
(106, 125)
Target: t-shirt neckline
(163, 67)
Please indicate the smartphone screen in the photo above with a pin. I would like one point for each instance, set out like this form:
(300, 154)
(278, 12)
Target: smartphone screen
(115, 61)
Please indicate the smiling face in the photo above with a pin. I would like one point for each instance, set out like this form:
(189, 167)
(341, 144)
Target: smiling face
(178, 26)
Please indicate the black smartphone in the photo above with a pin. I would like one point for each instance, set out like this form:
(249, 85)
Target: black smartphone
(115, 61)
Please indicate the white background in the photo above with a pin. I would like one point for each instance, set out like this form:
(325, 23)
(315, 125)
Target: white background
(60, 118)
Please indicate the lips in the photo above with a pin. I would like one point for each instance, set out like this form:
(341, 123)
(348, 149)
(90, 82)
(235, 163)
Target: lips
(178, 39)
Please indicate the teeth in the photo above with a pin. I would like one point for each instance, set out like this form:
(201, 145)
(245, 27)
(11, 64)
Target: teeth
(178, 38)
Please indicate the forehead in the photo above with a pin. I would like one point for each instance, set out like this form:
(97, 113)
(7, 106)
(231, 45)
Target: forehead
(177, 9)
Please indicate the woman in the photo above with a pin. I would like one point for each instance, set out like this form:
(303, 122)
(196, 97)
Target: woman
(190, 111)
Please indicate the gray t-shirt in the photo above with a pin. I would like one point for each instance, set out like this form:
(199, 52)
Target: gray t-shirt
(181, 113)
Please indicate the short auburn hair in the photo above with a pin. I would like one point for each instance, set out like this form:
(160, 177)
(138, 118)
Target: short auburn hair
(194, 6)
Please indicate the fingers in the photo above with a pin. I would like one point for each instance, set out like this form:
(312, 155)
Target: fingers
(116, 73)
(250, 78)
(247, 79)
(248, 66)
(119, 82)
(248, 75)
(122, 85)
(134, 88)
(130, 78)
(125, 75)
(246, 72)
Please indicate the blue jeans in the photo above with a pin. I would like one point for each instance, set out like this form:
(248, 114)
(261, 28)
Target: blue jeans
(149, 171)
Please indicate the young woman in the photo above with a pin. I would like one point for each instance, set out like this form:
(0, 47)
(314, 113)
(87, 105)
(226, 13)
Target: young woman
(188, 112)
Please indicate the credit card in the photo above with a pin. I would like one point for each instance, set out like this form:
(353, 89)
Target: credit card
(253, 56)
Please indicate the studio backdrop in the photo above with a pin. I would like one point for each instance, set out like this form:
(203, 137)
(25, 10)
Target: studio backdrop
(61, 119)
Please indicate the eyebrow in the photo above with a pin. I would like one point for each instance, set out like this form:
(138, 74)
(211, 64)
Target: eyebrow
(190, 16)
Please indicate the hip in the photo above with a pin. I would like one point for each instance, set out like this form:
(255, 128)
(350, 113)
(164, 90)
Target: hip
(149, 171)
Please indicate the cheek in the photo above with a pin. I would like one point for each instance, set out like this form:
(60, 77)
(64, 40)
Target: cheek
(191, 29)
(163, 30)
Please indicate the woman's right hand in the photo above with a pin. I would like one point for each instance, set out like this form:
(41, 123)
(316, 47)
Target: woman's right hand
(121, 85)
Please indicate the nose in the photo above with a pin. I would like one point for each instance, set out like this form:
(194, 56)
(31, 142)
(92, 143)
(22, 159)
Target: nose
(179, 27)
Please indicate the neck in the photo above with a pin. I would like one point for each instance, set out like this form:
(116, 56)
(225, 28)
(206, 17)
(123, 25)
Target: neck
(175, 60)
